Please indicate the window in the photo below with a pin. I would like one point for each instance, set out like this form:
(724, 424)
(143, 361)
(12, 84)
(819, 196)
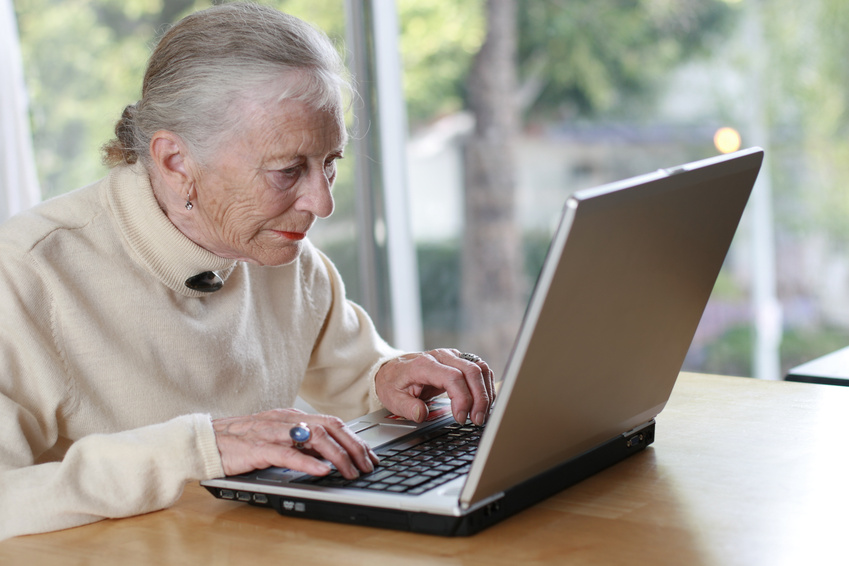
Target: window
(605, 90)
(608, 90)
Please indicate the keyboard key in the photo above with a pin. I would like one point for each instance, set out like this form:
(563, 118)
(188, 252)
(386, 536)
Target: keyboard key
(377, 475)
(415, 481)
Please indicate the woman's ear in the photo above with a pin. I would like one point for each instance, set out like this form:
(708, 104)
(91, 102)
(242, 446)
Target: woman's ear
(172, 162)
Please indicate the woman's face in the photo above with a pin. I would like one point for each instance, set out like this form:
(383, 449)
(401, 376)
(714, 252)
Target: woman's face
(263, 190)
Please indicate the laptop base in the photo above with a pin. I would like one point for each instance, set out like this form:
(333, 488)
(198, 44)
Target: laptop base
(511, 502)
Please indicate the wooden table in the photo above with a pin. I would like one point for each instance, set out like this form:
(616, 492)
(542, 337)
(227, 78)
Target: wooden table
(742, 472)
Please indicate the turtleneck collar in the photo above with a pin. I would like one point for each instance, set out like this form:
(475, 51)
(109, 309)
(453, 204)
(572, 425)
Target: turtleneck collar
(158, 245)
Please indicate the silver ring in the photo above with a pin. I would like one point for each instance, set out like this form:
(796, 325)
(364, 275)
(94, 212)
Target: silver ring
(300, 434)
(474, 358)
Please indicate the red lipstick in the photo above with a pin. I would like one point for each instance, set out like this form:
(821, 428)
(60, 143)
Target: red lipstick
(292, 235)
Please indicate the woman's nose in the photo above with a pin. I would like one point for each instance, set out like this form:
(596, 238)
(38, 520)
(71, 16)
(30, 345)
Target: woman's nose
(317, 197)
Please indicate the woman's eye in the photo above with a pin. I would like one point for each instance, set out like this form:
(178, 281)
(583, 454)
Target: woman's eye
(284, 178)
(330, 164)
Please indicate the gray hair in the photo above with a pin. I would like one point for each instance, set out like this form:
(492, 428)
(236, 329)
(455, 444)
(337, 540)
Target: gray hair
(212, 59)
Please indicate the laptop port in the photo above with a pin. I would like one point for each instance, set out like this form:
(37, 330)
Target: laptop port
(492, 509)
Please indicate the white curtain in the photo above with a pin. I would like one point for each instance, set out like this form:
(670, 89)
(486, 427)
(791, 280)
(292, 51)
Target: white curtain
(18, 182)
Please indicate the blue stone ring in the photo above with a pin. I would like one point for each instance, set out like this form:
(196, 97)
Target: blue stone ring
(300, 434)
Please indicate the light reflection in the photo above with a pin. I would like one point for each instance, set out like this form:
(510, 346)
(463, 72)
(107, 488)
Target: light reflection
(727, 140)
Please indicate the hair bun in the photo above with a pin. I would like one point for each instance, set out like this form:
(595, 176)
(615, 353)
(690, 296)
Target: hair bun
(122, 148)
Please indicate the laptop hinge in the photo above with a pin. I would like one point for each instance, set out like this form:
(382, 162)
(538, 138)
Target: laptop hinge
(465, 505)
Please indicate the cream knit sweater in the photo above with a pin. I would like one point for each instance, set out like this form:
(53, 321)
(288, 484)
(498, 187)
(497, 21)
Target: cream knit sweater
(111, 369)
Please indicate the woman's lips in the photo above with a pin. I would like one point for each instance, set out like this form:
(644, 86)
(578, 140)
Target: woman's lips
(292, 235)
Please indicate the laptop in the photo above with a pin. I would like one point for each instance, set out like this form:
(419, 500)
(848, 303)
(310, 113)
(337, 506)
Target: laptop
(619, 297)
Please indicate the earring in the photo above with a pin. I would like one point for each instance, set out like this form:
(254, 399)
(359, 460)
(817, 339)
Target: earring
(189, 204)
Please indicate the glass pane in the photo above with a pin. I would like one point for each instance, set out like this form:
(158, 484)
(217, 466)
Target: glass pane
(608, 90)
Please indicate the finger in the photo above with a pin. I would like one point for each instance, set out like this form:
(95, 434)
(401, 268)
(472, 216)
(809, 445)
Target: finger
(326, 447)
(475, 399)
(358, 450)
(413, 408)
(482, 415)
(401, 382)
(487, 373)
(441, 371)
(489, 381)
(301, 461)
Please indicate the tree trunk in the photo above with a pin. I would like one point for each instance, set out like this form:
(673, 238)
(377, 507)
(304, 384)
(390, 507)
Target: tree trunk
(493, 282)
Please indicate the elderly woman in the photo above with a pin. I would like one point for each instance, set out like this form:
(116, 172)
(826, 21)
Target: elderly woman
(141, 312)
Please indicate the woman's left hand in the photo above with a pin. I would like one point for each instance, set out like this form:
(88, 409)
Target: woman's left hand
(404, 384)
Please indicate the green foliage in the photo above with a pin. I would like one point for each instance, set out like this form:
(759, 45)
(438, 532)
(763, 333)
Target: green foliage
(584, 55)
(80, 74)
(439, 282)
(535, 248)
(727, 289)
(438, 41)
(730, 354)
(589, 56)
(808, 44)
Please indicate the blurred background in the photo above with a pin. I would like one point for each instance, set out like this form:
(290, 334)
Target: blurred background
(476, 120)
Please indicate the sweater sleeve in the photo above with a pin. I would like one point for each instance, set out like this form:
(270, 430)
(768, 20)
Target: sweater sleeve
(49, 481)
(109, 476)
(348, 353)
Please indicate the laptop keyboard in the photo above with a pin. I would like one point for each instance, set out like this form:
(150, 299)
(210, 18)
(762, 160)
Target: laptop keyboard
(416, 466)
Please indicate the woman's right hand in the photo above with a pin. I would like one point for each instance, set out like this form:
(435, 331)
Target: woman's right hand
(256, 442)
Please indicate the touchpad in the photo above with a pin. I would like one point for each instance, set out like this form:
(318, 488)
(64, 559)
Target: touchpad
(377, 434)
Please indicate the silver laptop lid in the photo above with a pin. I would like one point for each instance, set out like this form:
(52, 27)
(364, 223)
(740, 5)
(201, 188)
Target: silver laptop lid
(626, 280)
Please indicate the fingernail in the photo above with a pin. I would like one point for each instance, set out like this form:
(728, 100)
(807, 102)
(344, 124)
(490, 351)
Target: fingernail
(462, 416)
(417, 414)
(480, 417)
